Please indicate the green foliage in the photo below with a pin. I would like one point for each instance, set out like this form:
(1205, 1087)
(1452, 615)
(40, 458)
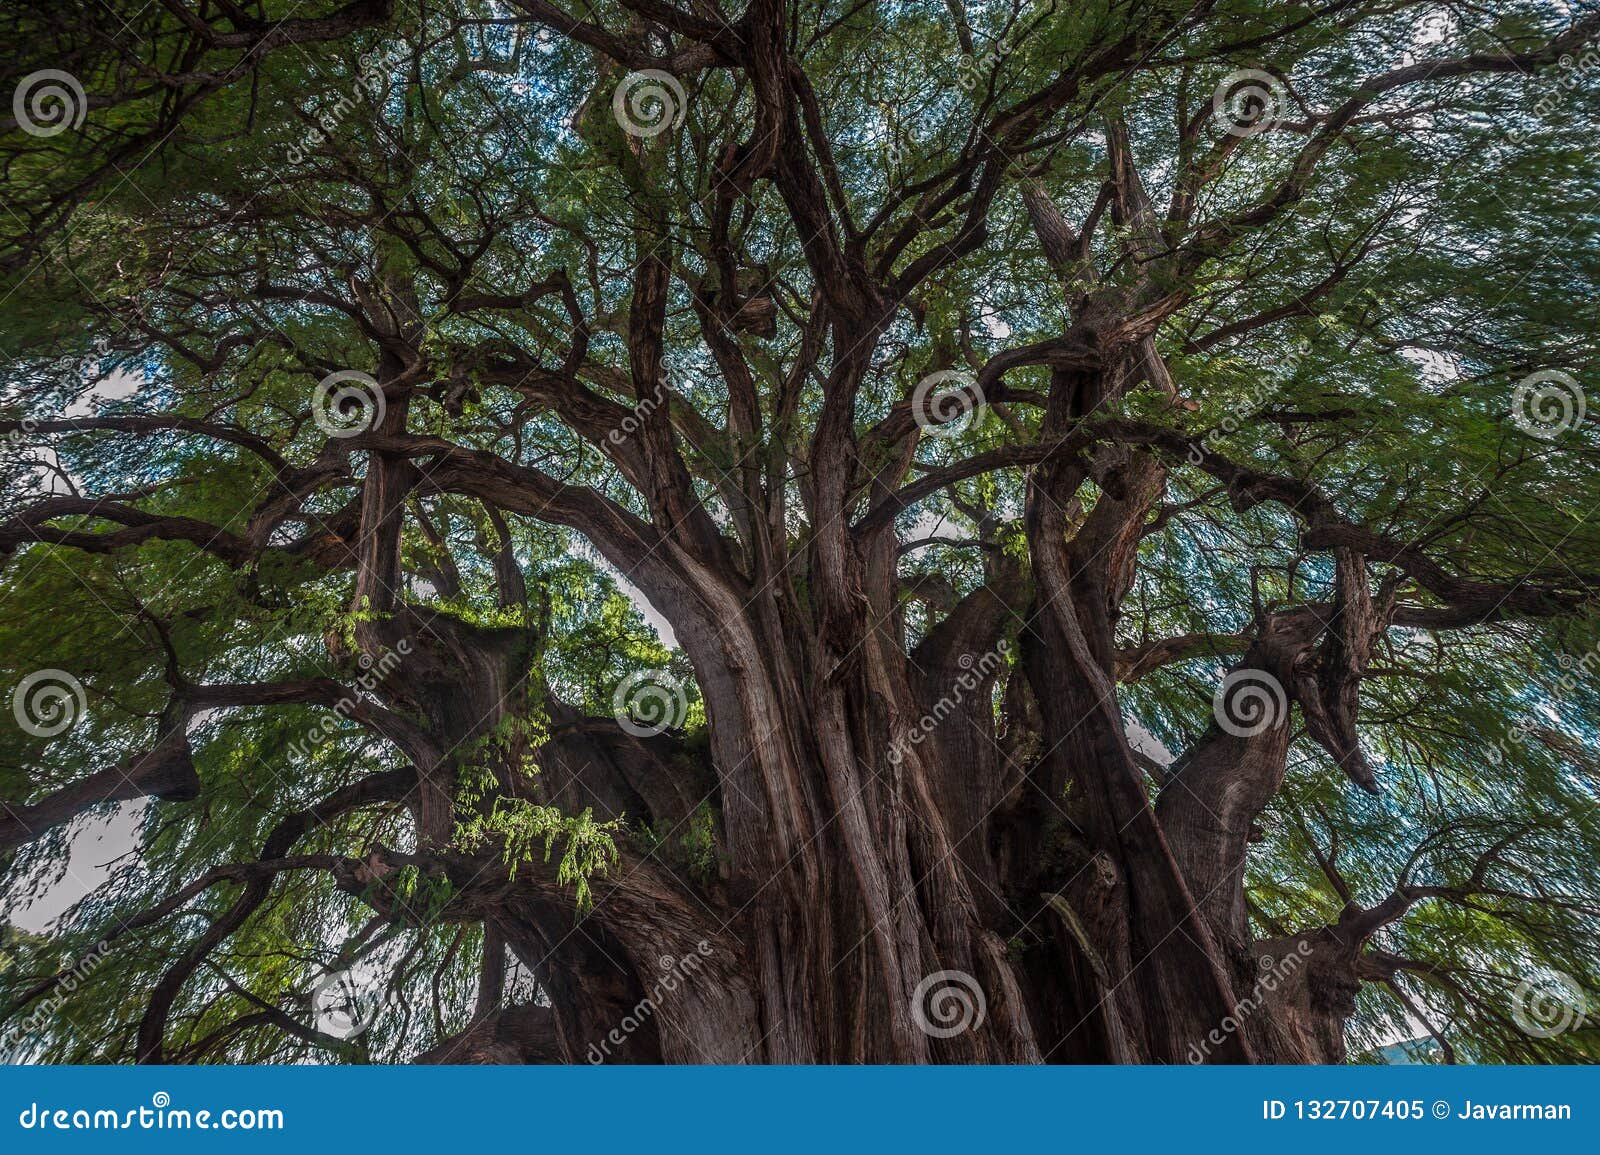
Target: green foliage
(520, 826)
(691, 843)
(1388, 388)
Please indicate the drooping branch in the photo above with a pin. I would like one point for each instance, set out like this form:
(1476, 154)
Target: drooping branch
(165, 773)
(1327, 528)
(257, 887)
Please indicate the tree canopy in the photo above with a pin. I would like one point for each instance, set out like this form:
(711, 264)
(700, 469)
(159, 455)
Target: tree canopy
(748, 508)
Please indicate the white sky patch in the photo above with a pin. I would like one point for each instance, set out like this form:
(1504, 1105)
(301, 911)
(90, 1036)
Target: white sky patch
(1415, 1031)
(202, 718)
(47, 472)
(931, 525)
(1435, 367)
(1435, 27)
(1162, 170)
(116, 386)
(1146, 743)
(95, 843)
(662, 627)
(1431, 30)
(119, 385)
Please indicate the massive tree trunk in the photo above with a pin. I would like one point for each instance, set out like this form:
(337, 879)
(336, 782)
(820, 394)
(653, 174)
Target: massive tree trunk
(898, 885)
(882, 898)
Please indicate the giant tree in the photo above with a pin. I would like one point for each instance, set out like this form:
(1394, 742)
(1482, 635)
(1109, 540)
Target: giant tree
(802, 531)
